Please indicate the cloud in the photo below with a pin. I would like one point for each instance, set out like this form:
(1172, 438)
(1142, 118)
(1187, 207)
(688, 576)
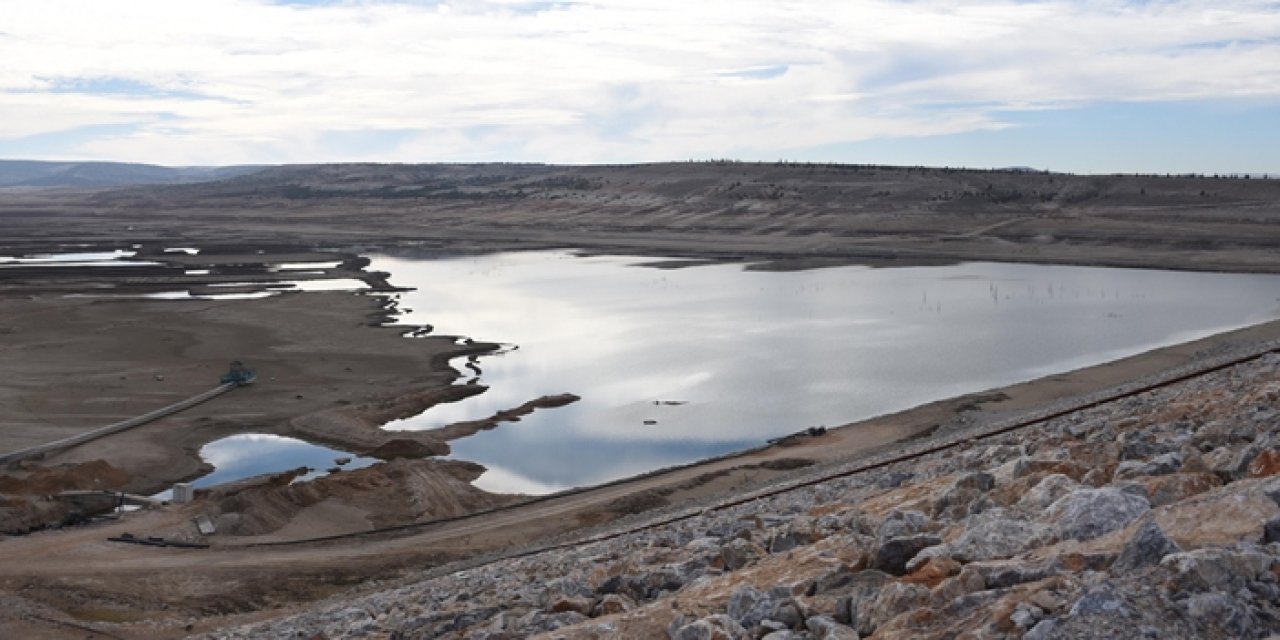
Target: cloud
(251, 81)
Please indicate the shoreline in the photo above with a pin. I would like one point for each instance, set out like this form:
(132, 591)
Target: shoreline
(76, 364)
(312, 563)
(82, 363)
(354, 425)
(304, 571)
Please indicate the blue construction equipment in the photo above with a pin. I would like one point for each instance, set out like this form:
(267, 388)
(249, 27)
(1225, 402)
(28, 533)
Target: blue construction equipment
(238, 374)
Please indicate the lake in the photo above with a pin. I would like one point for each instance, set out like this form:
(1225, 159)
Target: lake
(678, 364)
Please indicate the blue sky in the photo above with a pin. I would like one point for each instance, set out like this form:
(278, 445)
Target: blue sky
(1094, 86)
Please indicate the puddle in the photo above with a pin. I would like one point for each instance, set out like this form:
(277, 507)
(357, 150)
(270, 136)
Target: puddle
(187, 295)
(247, 455)
(296, 266)
(115, 258)
(264, 290)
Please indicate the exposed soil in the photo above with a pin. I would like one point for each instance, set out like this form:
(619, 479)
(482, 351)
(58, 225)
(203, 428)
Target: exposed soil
(798, 214)
(328, 375)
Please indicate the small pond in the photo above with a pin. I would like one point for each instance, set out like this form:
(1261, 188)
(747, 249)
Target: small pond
(254, 454)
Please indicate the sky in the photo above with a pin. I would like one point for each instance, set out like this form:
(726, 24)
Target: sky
(1095, 86)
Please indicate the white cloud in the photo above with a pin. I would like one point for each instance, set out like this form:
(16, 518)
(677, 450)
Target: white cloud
(246, 81)
(500, 480)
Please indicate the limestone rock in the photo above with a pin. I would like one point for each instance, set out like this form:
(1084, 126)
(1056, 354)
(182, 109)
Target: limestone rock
(999, 574)
(797, 532)
(538, 622)
(1230, 463)
(1096, 477)
(1147, 547)
(612, 604)
(566, 588)
(748, 606)
(716, 627)
(1266, 463)
(783, 634)
(893, 599)
(934, 570)
(788, 612)
(1219, 433)
(894, 479)
(956, 501)
(1027, 466)
(902, 523)
(1222, 611)
(1046, 492)
(967, 581)
(862, 592)
(1157, 466)
(1216, 567)
(739, 553)
(988, 536)
(1168, 489)
(1042, 631)
(577, 604)
(824, 628)
(1192, 461)
(1223, 517)
(1271, 531)
(1099, 600)
(892, 555)
(1085, 514)
(1026, 615)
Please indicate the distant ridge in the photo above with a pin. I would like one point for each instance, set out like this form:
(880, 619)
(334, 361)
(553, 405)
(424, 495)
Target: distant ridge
(35, 173)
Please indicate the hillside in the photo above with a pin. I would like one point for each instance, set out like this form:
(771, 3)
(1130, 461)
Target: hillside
(800, 213)
(30, 173)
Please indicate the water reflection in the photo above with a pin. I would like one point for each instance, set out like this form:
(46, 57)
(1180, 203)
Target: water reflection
(304, 266)
(70, 256)
(116, 258)
(247, 455)
(261, 289)
(754, 355)
(187, 295)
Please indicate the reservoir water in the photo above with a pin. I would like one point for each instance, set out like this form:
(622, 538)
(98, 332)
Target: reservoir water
(251, 454)
(678, 364)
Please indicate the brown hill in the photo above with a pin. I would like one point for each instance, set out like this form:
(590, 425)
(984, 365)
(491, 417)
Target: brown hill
(809, 212)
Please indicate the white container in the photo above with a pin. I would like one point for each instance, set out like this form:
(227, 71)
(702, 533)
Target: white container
(182, 493)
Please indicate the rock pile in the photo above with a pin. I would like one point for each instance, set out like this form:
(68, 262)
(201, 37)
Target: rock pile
(1155, 516)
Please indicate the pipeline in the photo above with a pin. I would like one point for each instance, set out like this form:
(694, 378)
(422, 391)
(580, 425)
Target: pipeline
(119, 426)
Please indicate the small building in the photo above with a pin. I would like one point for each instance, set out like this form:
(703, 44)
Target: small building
(182, 493)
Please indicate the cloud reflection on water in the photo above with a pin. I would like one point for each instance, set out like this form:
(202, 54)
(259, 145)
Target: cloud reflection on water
(757, 354)
(251, 454)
